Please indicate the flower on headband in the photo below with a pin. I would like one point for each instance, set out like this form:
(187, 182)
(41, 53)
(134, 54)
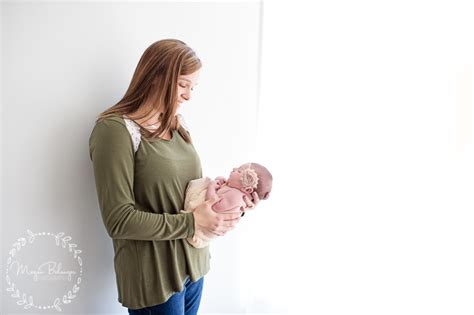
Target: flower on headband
(249, 178)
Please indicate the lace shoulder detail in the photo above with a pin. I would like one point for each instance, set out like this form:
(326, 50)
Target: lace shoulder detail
(134, 131)
(135, 134)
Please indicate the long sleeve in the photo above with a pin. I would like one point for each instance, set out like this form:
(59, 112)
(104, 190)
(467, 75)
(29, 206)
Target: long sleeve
(111, 151)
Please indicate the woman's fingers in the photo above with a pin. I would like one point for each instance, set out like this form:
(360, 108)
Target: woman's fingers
(223, 230)
(252, 204)
(249, 202)
(228, 224)
(213, 223)
(229, 216)
(256, 198)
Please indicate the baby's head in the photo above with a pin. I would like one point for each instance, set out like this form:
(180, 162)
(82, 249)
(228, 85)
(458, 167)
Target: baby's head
(251, 177)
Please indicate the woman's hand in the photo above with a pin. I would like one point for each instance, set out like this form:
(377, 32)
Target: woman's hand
(251, 204)
(209, 223)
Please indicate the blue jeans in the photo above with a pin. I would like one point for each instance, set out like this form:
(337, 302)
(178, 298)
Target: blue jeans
(185, 302)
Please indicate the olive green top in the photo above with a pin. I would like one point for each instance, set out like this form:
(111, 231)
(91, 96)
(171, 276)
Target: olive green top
(140, 195)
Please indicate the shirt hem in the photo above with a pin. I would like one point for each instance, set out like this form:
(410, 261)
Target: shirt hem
(154, 303)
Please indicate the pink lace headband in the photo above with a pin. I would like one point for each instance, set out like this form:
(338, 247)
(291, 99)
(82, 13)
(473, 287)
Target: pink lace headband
(249, 178)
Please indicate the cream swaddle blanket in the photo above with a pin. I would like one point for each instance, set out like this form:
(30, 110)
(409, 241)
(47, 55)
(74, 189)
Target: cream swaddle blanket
(195, 195)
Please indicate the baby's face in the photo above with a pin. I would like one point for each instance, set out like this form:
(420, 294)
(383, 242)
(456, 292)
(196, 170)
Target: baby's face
(235, 178)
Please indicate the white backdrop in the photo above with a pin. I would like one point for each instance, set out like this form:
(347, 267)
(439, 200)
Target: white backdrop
(62, 64)
(367, 113)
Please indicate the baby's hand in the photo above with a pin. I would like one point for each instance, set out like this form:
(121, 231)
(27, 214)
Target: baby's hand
(220, 181)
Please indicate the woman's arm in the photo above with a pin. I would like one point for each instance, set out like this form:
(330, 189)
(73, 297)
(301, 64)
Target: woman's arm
(111, 151)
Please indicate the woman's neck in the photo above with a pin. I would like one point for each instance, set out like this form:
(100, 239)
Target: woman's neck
(150, 119)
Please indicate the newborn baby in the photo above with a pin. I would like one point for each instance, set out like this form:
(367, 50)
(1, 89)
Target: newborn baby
(242, 181)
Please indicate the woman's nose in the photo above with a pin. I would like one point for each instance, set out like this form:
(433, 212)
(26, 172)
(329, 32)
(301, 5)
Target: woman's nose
(186, 95)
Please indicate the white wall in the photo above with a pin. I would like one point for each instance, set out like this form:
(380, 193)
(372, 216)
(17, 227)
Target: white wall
(62, 64)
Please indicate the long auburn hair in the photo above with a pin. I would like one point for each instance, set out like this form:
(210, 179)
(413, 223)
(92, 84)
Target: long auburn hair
(159, 68)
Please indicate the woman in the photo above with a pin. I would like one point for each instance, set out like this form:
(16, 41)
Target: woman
(143, 158)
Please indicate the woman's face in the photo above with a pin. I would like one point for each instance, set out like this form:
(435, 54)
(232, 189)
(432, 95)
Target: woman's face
(186, 84)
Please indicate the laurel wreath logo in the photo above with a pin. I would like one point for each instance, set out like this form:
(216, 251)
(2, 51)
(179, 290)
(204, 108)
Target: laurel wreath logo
(27, 300)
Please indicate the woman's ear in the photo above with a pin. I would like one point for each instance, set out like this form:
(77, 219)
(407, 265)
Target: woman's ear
(249, 190)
